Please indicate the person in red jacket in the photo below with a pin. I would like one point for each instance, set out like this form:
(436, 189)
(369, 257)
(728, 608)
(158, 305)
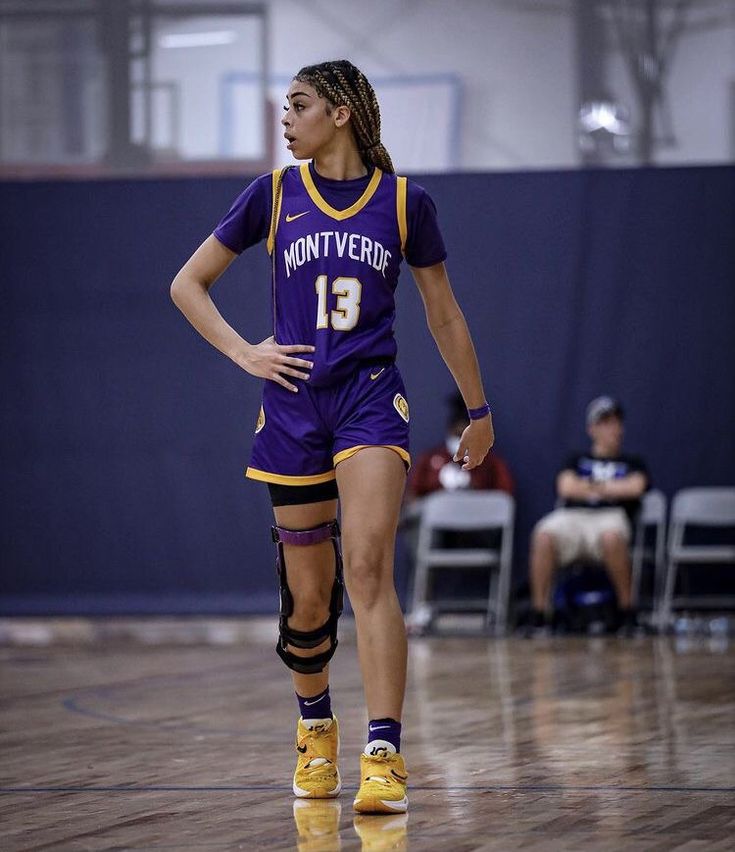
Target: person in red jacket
(435, 469)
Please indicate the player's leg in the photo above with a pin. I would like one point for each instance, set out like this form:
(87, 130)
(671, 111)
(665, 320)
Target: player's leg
(309, 581)
(371, 487)
(371, 484)
(292, 452)
(310, 571)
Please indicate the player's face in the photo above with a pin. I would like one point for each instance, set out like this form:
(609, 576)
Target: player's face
(607, 434)
(309, 121)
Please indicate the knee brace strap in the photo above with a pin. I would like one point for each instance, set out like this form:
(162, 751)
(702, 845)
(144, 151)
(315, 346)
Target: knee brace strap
(307, 638)
(316, 535)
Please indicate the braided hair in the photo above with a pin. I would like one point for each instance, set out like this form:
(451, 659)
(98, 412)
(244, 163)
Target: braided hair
(341, 83)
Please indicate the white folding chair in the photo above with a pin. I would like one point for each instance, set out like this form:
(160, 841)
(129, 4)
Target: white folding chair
(699, 507)
(462, 511)
(652, 515)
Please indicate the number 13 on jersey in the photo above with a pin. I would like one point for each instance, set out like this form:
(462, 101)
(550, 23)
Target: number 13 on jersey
(347, 311)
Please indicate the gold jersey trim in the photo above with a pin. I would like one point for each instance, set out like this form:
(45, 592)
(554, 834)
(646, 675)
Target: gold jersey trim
(275, 210)
(339, 215)
(260, 422)
(283, 479)
(351, 451)
(401, 211)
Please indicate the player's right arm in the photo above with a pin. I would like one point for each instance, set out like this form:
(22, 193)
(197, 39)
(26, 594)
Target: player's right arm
(190, 293)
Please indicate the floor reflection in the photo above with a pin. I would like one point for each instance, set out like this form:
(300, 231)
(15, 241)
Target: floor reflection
(318, 828)
(565, 712)
(317, 825)
(382, 833)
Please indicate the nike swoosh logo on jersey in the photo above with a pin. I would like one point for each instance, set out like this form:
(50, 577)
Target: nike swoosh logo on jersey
(290, 217)
(374, 376)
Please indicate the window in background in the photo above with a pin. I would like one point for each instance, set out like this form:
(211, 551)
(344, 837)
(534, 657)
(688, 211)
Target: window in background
(132, 87)
(52, 88)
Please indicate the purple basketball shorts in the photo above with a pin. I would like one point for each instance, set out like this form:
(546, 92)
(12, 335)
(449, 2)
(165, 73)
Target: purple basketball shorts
(301, 437)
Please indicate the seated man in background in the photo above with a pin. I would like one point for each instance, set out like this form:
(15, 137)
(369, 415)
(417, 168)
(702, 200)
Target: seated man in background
(599, 495)
(435, 469)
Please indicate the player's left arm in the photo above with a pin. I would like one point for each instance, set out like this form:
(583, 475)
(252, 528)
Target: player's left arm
(449, 329)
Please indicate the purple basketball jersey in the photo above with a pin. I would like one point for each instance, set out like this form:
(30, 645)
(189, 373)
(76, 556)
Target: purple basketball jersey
(335, 273)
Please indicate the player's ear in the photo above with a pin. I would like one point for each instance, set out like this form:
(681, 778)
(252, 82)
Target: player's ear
(341, 115)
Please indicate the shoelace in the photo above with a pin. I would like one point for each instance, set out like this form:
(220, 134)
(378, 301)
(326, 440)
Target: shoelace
(381, 779)
(319, 768)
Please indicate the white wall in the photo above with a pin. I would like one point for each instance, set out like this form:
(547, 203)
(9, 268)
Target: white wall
(516, 62)
(516, 67)
(197, 72)
(502, 91)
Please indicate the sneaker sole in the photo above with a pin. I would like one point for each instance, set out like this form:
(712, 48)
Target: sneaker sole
(306, 794)
(381, 806)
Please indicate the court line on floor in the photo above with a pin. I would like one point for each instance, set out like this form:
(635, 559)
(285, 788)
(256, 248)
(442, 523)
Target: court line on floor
(501, 788)
(70, 704)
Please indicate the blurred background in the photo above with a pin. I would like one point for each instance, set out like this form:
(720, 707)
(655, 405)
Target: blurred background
(580, 153)
(93, 87)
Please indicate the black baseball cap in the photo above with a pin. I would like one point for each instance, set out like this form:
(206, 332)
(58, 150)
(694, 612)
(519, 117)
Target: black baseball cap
(601, 407)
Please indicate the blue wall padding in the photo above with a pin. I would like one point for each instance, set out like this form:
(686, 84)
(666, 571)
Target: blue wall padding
(124, 435)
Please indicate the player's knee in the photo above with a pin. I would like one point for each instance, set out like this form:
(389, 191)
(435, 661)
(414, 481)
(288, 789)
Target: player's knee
(368, 580)
(310, 610)
(309, 613)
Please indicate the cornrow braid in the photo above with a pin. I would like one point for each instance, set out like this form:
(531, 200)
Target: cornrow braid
(341, 83)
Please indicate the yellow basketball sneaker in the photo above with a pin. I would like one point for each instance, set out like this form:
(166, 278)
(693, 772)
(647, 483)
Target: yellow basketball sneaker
(383, 783)
(317, 775)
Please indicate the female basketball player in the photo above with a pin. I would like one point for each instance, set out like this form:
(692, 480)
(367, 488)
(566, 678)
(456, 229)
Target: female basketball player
(334, 418)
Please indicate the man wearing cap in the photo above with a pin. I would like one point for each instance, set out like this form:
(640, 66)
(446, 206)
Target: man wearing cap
(599, 495)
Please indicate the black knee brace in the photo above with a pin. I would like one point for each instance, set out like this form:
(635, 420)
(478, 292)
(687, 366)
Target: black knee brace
(307, 638)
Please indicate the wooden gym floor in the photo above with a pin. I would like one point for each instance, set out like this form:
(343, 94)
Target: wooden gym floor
(108, 742)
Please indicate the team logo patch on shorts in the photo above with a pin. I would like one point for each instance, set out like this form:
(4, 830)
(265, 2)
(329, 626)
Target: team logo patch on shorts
(260, 421)
(401, 406)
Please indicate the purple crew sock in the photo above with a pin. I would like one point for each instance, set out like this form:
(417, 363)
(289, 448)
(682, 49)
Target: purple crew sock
(387, 730)
(316, 707)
